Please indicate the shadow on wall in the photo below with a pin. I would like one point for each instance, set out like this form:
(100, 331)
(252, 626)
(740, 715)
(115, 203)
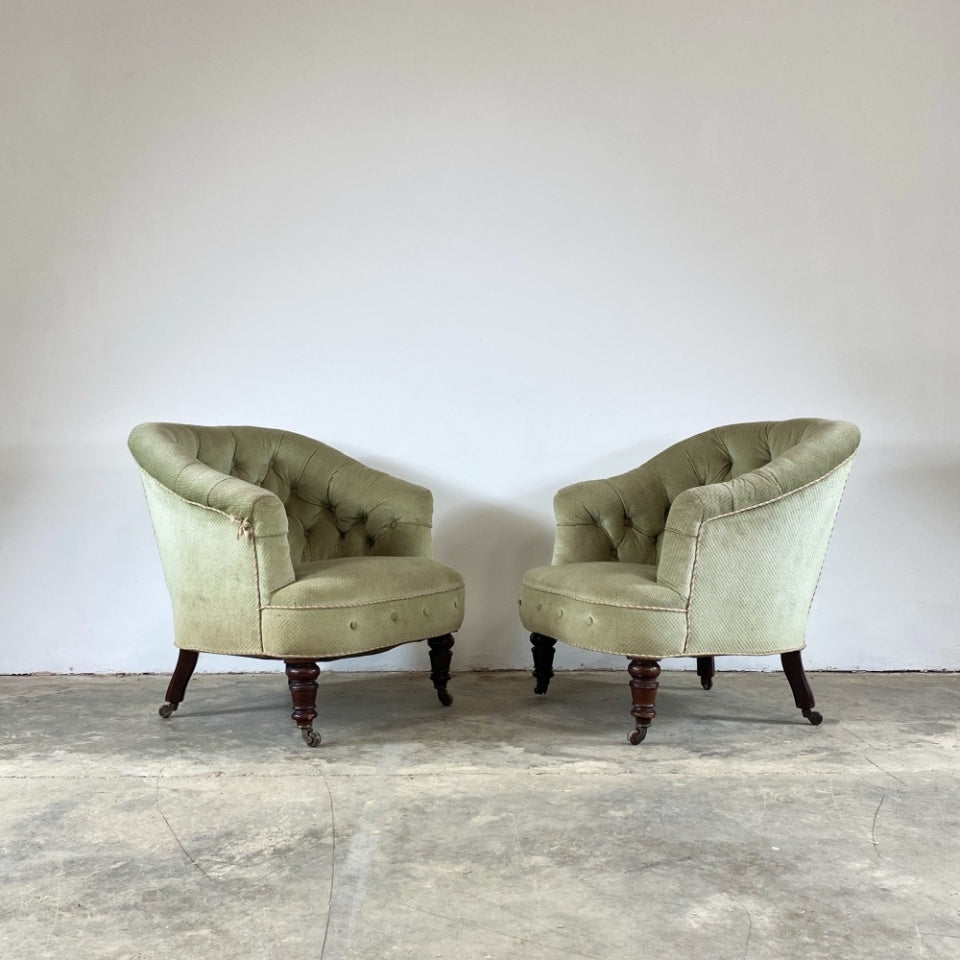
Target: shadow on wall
(492, 546)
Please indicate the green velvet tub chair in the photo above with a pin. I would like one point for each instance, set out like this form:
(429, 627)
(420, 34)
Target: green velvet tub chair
(714, 547)
(278, 547)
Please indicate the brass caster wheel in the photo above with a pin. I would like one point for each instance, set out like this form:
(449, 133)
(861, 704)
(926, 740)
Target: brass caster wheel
(814, 716)
(706, 683)
(166, 711)
(310, 736)
(444, 697)
(637, 736)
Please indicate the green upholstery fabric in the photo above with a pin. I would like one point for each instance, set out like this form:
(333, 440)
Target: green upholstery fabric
(361, 603)
(273, 544)
(713, 547)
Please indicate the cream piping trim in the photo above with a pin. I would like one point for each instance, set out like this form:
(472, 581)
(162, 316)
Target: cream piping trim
(367, 603)
(604, 603)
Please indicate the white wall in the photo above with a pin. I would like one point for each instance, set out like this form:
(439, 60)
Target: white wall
(494, 247)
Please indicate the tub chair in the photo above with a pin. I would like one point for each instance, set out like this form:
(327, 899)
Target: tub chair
(712, 548)
(279, 547)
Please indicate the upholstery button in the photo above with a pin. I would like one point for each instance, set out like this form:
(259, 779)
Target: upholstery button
(539, 606)
(426, 612)
(627, 522)
(560, 614)
(353, 624)
(393, 524)
(456, 604)
(394, 616)
(590, 620)
(370, 541)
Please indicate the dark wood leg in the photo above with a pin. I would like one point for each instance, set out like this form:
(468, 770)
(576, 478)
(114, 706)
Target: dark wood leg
(441, 651)
(802, 694)
(643, 687)
(706, 670)
(543, 650)
(302, 680)
(186, 664)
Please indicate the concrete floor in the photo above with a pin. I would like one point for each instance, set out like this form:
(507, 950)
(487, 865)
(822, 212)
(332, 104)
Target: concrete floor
(508, 826)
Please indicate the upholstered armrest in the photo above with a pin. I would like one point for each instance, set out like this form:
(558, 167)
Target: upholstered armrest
(756, 488)
(195, 482)
(224, 550)
(761, 499)
(211, 528)
(697, 504)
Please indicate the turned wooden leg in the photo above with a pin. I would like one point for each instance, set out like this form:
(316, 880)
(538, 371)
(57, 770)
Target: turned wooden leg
(441, 651)
(802, 694)
(706, 670)
(186, 663)
(302, 680)
(643, 687)
(543, 650)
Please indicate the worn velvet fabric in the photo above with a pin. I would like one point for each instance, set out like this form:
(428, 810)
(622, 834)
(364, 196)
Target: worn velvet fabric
(273, 544)
(714, 546)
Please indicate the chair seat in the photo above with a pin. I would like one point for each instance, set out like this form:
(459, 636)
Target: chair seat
(352, 605)
(611, 607)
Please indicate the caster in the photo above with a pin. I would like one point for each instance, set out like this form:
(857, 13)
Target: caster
(444, 697)
(706, 683)
(814, 716)
(167, 709)
(637, 736)
(310, 736)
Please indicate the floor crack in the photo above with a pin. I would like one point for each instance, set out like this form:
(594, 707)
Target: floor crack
(173, 833)
(333, 865)
(873, 826)
(746, 943)
(887, 772)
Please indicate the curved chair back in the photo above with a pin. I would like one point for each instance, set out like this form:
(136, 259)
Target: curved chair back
(235, 509)
(737, 520)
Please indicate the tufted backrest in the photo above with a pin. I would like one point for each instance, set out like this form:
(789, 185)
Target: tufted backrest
(335, 506)
(737, 521)
(236, 509)
(629, 512)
